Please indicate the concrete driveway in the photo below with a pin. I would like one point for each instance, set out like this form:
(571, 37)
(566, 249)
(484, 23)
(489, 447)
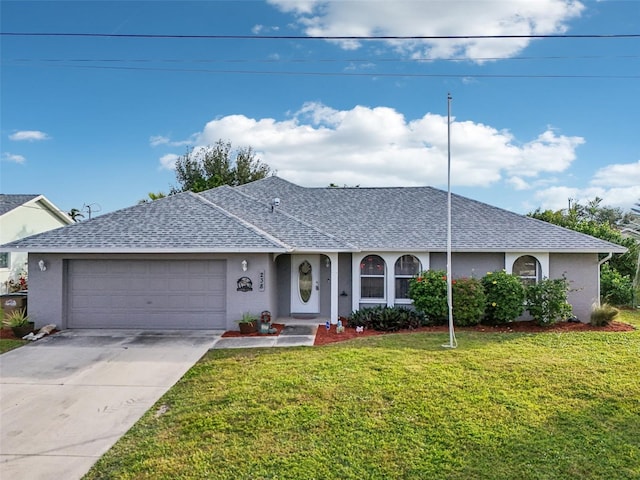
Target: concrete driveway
(67, 398)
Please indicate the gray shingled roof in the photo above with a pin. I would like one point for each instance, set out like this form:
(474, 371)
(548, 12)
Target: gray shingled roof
(179, 223)
(415, 218)
(8, 201)
(307, 219)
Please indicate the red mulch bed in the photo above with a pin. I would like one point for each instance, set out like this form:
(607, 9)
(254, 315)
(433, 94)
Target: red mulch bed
(6, 332)
(325, 336)
(236, 333)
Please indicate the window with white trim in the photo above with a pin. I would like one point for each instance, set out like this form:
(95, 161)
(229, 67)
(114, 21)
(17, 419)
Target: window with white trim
(372, 277)
(4, 260)
(406, 268)
(528, 269)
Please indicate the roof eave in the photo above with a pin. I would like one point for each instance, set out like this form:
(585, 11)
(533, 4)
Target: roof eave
(145, 250)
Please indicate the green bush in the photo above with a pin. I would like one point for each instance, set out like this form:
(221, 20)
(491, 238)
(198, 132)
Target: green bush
(603, 315)
(546, 301)
(386, 319)
(429, 294)
(615, 288)
(469, 301)
(505, 297)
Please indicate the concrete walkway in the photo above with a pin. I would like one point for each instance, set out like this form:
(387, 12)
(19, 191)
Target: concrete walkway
(290, 336)
(67, 398)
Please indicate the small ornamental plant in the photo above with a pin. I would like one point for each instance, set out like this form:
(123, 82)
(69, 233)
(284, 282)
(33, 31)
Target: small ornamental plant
(505, 297)
(469, 301)
(603, 315)
(547, 301)
(429, 294)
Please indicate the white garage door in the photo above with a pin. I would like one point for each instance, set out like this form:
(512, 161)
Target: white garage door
(150, 294)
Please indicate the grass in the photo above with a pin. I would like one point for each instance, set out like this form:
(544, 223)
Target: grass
(500, 406)
(7, 344)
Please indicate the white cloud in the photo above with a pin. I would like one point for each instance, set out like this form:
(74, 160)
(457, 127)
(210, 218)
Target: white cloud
(10, 157)
(618, 185)
(29, 136)
(430, 18)
(156, 140)
(168, 161)
(618, 175)
(518, 183)
(378, 146)
(259, 29)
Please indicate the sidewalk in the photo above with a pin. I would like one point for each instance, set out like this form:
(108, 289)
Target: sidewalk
(290, 336)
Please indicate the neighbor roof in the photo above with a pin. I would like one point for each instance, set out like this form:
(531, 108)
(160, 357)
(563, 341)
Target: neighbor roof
(10, 202)
(246, 218)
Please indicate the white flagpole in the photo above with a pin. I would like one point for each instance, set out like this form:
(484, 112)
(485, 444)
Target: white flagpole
(452, 338)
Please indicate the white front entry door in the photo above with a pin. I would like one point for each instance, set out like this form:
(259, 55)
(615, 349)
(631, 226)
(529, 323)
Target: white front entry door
(305, 284)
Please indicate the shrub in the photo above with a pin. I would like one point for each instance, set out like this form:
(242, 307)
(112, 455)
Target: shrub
(386, 319)
(429, 294)
(546, 301)
(603, 315)
(615, 288)
(505, 297)
(469, 301)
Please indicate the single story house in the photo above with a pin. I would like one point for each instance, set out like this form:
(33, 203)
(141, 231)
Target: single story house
(198, 261)
(20, 217)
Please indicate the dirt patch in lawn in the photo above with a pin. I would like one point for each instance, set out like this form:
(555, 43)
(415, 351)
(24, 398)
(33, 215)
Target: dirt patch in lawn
(324, 336)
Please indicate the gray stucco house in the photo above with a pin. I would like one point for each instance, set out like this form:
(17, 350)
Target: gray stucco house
(198, 261)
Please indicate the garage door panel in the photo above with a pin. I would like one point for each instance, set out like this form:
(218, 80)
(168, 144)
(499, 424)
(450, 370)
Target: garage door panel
(146, 294)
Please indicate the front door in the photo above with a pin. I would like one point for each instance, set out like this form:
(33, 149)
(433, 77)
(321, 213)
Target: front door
(305, 284)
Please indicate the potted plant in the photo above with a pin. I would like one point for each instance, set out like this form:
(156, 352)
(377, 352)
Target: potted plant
(19, 322)
(265, 326)
(248, 323)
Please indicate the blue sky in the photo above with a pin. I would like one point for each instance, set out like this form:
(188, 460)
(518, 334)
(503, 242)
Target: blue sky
(100, 120)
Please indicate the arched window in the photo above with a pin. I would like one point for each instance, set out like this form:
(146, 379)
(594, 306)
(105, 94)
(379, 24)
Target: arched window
(372, 277)
(407, 267)
(527, 268)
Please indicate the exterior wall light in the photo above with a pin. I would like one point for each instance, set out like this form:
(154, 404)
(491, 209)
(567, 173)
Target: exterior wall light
(42, 265)
(244, 265)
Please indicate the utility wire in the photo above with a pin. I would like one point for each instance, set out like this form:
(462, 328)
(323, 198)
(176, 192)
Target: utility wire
(304, 37)
(345, 74)
(323, 60)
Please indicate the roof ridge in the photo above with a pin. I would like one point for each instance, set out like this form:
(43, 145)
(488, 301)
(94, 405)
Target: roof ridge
(306, 224)
(241, 221)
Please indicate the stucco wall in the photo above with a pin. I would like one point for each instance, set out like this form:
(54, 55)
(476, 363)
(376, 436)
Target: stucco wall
(283, 275)
(344, 284)
(47, 294)
(582, 272)
(474, 265)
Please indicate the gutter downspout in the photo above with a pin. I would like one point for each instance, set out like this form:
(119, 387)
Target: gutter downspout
(605, 259)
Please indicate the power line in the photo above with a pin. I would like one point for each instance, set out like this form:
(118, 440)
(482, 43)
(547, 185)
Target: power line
(322, 60)
(346, 74)
(304, 37)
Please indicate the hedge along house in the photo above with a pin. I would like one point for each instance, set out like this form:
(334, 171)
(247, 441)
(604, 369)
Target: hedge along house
(198, 261)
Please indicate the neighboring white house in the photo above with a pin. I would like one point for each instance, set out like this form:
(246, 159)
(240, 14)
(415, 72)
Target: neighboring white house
(20, 217)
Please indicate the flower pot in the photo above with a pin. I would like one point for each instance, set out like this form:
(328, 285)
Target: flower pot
(264, 327)
(23, 330)
(248, 327)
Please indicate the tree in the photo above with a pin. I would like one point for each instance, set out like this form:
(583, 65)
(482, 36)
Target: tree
(601, 222)
(75, 214)
(218, 164)
(153, 196)
(633, 229)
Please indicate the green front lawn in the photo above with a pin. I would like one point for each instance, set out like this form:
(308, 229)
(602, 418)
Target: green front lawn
(500, 406)
(7, 344)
